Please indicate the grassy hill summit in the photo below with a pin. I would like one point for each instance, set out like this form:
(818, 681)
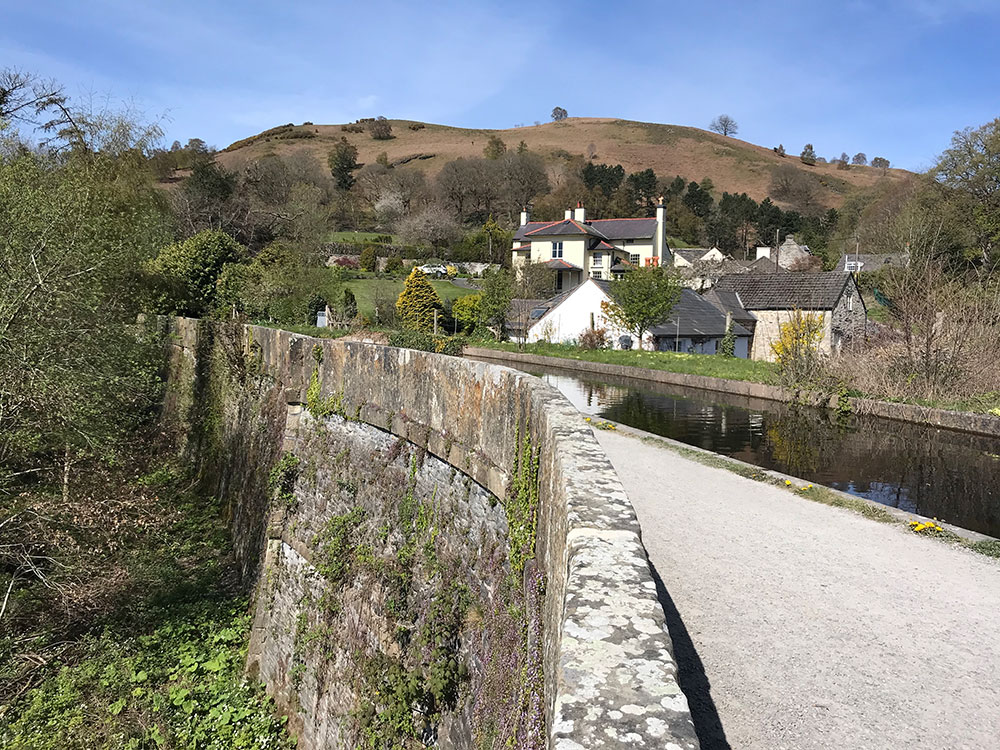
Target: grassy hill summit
(733, 165)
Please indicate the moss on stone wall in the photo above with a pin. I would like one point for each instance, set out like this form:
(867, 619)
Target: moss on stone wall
(437, 645)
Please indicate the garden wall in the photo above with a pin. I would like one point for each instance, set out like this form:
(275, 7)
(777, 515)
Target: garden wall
(442, 549)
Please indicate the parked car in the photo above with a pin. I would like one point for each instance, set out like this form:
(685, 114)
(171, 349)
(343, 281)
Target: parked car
(436, 271)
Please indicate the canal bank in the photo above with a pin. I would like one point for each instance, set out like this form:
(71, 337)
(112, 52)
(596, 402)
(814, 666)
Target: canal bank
(914, 468)
(979, 424)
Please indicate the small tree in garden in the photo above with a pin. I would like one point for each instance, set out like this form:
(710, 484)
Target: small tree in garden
(467, 311)
(727, 347)
(642, 298)
(417, 302)
(349, 305)
(393, 264)
(368, 260)
(498, 291)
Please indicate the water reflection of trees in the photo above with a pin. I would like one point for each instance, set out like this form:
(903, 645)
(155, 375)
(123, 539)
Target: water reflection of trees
(796, 440)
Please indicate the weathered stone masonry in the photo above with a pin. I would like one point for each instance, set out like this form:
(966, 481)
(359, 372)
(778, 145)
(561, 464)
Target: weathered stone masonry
(609, 675)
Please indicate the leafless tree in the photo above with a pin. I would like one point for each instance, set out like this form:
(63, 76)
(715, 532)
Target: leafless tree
(725, 125)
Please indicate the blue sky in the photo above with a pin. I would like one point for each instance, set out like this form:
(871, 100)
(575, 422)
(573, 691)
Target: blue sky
(887, 77)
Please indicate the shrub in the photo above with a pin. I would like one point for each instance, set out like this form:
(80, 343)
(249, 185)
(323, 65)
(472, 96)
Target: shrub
(796, 349)
(466, 311)
(380, 129)
(425, 342)
(727, 347)
(352, 128)
(594, 338)
(184, 274)
(368, 261)
(417, 126)
(394, 264)
(347, 261)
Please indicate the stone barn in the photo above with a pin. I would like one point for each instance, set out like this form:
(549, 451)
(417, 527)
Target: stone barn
(775, 298)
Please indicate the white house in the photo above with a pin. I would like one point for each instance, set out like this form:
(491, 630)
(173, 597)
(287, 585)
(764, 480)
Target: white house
(579, 249)
(694, 325)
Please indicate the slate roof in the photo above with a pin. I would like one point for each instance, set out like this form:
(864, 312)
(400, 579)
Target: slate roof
(699, 318)
(610, 229)
(729, 301)
(787, 291)
(873, 262)
(560, 228)
(597, 244)
(561, 265)
(626, 229)
(761, 265)
(690, 254)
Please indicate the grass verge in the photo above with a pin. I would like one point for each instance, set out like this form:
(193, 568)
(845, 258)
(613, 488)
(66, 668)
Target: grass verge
(711, 365)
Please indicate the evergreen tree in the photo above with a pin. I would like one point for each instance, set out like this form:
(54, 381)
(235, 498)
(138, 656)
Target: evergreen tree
(368, 260)
(495, 147)
(343, 161)
(808, 155)
(698, 200)
(769, 218)
(350, 305)
(417, 302)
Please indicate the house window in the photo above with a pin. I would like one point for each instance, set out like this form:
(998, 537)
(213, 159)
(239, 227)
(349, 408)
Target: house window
(598, 259)
(633, 258)
(850, 303)
(557, 249)
(595, 274)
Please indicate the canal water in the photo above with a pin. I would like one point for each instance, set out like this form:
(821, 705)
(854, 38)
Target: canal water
(949, 475)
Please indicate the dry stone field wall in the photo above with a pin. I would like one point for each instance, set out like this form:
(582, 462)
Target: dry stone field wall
(441, 553)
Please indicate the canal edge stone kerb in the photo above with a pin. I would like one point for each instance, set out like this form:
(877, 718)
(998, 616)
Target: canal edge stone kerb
(610, 674)
(979, 424)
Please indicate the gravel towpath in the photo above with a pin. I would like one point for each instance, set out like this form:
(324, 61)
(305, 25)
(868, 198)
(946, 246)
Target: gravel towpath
(800, 626)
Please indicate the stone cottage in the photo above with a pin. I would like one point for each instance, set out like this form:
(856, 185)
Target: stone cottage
(775, 298)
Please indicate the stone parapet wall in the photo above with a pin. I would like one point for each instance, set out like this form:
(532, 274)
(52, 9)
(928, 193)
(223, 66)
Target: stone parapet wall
(609, 674)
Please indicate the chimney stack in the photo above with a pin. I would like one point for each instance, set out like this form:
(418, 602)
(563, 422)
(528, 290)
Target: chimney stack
(580, 214)
(524, 216)
(568, 215)
(661, 230)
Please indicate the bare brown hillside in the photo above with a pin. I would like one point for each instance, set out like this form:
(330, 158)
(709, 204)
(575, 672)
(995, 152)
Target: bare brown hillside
(733, 165)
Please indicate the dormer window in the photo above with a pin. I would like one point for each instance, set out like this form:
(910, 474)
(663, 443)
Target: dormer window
(557, 249)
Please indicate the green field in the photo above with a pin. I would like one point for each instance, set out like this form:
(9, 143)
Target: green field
(711, 365)
(366, 290)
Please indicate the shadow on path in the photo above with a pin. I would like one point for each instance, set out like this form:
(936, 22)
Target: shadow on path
(691, 674)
